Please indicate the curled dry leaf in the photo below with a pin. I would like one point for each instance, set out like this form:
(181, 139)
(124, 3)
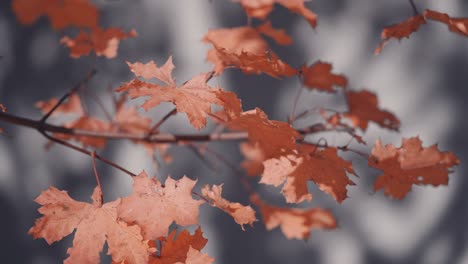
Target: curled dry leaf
(273, 137)
(185, 248)
(71, 106)
(363, 108)
(154, 206)
(104, 42)
(61, 13)
(324, 167)
(242, 214)
(410, 164)
(244, 48)
(194, 97)
(319, 76)
(278, 35)
(95, 224)
(261, 9)
(457, 25)
(294, 222)
(399, 31)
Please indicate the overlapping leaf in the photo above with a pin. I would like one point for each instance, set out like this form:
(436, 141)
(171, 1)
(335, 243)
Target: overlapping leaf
(242, 214)
(95, 224)
(273, 137)
(295, 223)
(195, 97)
(324, 167)
(408, 165)
(244, 48)
(363, 108)
(154, 206)
(104, 42)
(185, 248)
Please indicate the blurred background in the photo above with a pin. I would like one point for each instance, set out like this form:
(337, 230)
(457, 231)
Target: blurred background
(421, 79)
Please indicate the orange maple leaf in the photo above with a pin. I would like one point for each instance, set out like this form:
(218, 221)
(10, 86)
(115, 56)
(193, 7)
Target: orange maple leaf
(273, 137)
(318, 76)
(71, 106)
(194, 97)
(61, 13)
(363, 108)
(95, 224)
(410, 164)
(399, 31)
(457, 25)
(324, 167)
(184, 248)
(244, 48)
(242, 214)
(154, 206)
(104, 42)
(253, 164)
(262, 8)
(295, 223)
(278, 35)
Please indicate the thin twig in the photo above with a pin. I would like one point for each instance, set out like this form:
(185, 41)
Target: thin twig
(89, 153)
(413, 6)
(98, 181)
(155, 128)
(292, 115)
(90, 74)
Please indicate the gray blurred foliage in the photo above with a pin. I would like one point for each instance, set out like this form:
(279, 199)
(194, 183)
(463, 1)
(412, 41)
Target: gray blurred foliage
(421, 79)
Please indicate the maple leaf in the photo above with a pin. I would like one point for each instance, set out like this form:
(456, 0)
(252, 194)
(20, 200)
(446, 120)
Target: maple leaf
(262, 8)
(196, 257)
(410, 164)
(104, 42)
(184, 248)
(95, 224)
(294, 222)
(253, 165)
(399, 31)
(273, 137)
(61, 13)
(194, 97)
(363, 108)
(278, 35)
(457, 25)
(242, 214)
(154, 206)
(324, 167)
(71, 106)
(244, 48)
(318, 76)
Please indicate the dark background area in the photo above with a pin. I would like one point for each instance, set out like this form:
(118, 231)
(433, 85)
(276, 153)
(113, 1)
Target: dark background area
(421, 79)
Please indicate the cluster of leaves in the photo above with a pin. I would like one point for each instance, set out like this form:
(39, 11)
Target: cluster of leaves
(136, 227)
